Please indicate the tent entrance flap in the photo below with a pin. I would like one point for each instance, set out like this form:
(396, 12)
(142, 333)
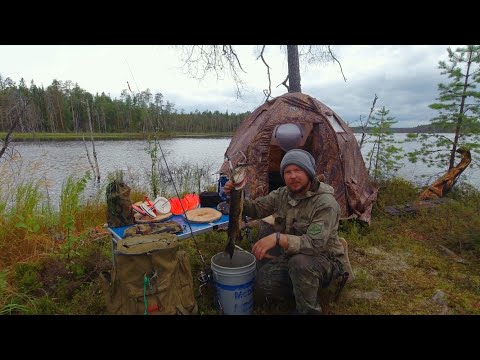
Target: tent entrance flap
(283, 139)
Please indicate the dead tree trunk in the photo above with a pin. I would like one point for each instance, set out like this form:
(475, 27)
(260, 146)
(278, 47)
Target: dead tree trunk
(96, 170)
(13, 125)
(88, 154)
(365, 126)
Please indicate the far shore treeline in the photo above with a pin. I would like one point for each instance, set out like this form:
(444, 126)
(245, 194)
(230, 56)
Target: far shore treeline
(61, 108)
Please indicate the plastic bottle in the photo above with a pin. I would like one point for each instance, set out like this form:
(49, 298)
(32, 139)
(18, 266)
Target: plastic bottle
(221, 183)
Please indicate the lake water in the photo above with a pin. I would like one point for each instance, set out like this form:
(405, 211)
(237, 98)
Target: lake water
(53, 162)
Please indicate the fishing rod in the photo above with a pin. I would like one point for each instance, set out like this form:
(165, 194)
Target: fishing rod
(178, 196)
(205, 274)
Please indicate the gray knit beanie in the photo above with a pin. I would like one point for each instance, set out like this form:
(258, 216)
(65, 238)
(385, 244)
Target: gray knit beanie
(301, 158)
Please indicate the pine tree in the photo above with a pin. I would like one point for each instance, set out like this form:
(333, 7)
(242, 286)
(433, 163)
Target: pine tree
(459, 108)
(384, 156)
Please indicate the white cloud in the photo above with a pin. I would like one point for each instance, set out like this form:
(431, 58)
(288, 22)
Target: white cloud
(405, 77)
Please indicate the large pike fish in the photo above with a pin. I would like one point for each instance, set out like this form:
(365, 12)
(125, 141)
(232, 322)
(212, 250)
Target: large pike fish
(239, 180)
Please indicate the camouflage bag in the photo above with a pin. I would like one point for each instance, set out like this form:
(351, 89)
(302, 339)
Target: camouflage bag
(119, 205)
(170, 227)
(151, 276)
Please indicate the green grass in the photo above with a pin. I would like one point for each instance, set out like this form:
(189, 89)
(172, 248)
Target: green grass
(398, 263)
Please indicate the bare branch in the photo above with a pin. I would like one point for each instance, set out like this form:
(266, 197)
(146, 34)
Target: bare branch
(13, 125)
(232, 52)
(200, 60)
(338, 62)
(267, 94)
(315, 54)
(284, 83)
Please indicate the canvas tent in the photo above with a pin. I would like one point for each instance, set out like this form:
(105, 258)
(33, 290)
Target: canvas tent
(324, 134)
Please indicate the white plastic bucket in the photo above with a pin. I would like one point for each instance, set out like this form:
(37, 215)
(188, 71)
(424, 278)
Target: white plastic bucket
(234, 279)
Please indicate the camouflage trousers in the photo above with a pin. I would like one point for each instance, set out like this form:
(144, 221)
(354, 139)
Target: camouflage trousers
(297, 279)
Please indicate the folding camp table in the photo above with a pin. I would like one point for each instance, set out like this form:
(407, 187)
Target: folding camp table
(196, 229)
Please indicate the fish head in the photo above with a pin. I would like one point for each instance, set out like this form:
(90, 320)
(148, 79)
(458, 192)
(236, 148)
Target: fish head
(239, 177)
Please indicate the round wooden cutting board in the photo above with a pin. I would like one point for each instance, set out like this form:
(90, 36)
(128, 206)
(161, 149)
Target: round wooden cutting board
(203, 215)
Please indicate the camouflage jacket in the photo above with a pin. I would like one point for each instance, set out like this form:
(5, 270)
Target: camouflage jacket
(310, 221)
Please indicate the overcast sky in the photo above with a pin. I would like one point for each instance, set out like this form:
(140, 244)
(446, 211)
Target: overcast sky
(404, 77)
